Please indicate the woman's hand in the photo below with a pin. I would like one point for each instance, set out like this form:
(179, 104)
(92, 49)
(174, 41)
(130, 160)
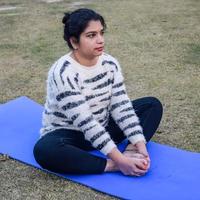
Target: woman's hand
(133, 166)
(141, 148)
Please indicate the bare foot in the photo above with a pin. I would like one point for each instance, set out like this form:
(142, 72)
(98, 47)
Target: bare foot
(131, 147)
(131, 151)
(111, 166)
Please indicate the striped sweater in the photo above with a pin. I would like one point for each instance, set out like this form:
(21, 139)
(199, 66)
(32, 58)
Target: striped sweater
(81, 98)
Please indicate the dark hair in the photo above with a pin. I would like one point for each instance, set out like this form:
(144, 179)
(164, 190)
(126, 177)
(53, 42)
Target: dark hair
(77, 21)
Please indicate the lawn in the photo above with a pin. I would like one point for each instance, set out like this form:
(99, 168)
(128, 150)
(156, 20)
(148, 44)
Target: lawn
(157, 43)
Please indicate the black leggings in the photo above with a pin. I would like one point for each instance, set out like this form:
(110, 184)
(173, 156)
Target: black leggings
(66, 151)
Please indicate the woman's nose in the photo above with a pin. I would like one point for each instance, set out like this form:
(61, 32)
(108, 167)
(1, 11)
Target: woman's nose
(100, 39)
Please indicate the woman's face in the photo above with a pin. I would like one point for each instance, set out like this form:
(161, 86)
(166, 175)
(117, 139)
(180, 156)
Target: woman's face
(91, 43)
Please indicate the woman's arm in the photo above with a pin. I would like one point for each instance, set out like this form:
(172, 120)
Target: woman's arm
(122, 110)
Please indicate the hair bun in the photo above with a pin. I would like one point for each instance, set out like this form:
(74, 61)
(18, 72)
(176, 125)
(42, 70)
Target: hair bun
(66, 18)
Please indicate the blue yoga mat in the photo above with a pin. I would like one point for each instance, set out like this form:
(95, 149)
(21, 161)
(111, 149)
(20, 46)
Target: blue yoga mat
(174, 173)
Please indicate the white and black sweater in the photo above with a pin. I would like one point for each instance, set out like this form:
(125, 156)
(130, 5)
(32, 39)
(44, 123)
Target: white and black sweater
(81, 98)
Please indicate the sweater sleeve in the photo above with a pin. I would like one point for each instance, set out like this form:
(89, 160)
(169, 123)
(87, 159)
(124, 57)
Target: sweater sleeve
(122, 110)
(68, 97)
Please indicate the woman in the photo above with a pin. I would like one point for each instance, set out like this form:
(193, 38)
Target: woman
(87, 108)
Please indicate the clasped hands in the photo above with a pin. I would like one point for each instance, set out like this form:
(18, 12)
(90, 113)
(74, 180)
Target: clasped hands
(137, 161)
(141, 149)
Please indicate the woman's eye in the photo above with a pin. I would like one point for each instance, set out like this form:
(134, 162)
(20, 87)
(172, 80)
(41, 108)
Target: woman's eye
(91, 35)
(102, 32)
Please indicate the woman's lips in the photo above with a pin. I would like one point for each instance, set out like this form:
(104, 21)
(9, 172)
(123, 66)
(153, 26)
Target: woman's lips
(99, 49)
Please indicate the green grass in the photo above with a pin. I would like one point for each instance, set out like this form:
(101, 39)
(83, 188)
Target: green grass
(157, 44)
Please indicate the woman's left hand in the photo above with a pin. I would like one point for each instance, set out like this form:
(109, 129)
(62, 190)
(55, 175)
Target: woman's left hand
(141, 148)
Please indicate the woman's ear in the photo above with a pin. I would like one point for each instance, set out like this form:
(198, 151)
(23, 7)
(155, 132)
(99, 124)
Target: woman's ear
(74, 43)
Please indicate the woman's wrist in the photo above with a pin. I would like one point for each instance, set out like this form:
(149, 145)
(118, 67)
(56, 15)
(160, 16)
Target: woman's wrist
(140, 143)
(141, 148)
(116, 155)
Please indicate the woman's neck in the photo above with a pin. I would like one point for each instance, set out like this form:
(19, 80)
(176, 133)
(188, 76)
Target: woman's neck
(88, 62)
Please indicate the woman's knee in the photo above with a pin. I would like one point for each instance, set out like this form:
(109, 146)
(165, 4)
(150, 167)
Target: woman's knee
(52, 158)
(40, 154)
(45, 150)
(155, 102)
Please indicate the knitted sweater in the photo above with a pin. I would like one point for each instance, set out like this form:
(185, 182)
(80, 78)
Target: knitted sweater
(81, 98)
